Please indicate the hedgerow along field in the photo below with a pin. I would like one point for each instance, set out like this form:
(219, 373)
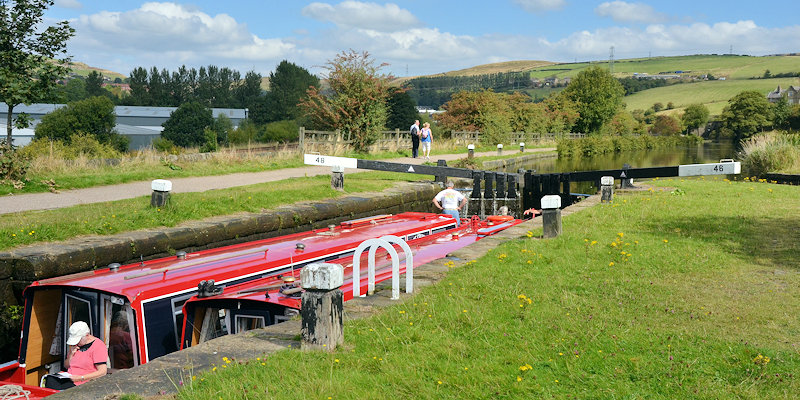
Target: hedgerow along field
(688, 290)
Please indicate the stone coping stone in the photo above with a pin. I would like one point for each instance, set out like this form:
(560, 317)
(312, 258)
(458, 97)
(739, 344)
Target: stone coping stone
(162, 375)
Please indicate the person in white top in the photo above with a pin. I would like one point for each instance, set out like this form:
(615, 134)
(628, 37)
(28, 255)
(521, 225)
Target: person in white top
(450, 201)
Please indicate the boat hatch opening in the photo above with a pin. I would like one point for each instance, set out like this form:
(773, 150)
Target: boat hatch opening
(110, 319)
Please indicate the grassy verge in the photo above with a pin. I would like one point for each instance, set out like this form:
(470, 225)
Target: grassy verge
(133, 214)
(684, 293)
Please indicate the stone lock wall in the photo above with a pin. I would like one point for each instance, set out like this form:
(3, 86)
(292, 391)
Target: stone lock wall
(21, 266)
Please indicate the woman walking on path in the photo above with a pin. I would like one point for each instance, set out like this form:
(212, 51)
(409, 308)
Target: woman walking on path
(425, 139)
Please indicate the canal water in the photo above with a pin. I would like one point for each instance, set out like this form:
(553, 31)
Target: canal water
(707, 152)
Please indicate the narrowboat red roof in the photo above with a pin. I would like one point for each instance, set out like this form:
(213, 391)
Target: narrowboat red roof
(246, 260)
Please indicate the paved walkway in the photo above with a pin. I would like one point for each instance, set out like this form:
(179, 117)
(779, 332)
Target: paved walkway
(68, 198)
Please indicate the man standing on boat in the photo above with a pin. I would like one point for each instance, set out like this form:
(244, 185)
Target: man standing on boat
(415, 139)
(450, 201)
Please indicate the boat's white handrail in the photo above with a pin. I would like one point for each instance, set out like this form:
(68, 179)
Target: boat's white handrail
(372, 245)
(409, 260)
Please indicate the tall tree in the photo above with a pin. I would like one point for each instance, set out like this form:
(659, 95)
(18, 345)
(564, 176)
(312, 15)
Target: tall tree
(746, 113)
(28, 70)
(248, 91)
(695, 116)
(185, 125)
(598, 95)
(357, 102)
(402, 110)
(94, 84)
(288, 85)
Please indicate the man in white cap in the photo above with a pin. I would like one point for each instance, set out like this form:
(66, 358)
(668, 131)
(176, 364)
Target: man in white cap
(87, 359)
(450, 201)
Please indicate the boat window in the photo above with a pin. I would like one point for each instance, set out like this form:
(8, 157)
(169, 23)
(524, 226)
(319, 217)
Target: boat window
(215, 324)
(118, 333)
(78, 310)
(247, 322)
(177, 312)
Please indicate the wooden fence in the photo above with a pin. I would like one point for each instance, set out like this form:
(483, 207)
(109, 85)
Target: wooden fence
(338, 142)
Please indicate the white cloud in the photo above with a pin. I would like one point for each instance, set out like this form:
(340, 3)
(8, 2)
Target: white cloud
(537, 6)
(356, 14)
(160, 32)
(622, 11)
(72, 4)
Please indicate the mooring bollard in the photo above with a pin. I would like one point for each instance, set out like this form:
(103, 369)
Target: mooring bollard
(499, 149)
(161, 189)
(521, 147)
(470, 151)
(606, 189)
(321, 306)
(337, 177)
(551, 216)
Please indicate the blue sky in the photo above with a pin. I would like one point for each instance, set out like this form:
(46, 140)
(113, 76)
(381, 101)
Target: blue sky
(416, 37)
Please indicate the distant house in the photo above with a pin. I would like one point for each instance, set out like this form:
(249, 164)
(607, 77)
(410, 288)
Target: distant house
(140, 124)
(792, 94)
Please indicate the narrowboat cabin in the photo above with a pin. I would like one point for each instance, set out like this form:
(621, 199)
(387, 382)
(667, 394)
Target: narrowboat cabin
(142, 303)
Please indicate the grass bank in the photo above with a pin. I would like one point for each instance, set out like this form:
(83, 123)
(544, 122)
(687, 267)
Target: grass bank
(689, 292)
(133, 214)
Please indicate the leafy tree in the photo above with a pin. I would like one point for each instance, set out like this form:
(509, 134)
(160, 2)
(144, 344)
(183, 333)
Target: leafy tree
(357, 100)
(598, 96)
(622, 123)
(526, 116)
(186, 125)
(781, 112)
(483, 111)
(562, 112)
(27, 72)
(93, 116)
(666, 125)
(94, 85)
(222, 127)
(288, 86)
(73, 90)
(746, 113)
(402, 110)
(694, 116)
(248, 91)
(658, 107)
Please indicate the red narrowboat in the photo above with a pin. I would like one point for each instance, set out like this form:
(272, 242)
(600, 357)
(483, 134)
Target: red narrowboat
(142, 303)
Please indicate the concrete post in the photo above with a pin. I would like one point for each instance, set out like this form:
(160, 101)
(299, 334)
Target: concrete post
(322, 306)
(499, 149)
(607, 189)
(161, 189)
(337, 178)
(625, 182)
(551, 216)
(470, 151)
(521, 147)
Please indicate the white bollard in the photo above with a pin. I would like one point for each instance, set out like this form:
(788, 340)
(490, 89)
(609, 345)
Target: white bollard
(551, 216)
(322, 306)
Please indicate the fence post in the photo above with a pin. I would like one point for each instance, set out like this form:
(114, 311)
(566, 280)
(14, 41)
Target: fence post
(322, 306)
(301, 140)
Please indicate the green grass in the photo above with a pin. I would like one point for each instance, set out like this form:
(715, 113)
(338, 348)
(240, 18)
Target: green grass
(710, 284)
(108, 218)
(714, 94)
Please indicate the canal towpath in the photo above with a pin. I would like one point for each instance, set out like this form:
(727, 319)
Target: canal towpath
(15, 203)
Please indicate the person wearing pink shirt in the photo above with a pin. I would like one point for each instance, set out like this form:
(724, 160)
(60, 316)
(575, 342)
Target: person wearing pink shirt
(87, 359)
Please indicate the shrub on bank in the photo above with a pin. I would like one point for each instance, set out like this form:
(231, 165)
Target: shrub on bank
(596, 145)
(770, 152)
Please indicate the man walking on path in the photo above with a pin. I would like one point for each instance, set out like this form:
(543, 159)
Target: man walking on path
(450, 201)
(415, 139)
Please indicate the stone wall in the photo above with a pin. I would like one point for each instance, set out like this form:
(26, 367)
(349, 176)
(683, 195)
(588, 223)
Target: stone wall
(21, 266)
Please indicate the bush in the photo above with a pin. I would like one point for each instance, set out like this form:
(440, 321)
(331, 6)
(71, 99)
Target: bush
(13, 165)
(245, 133)
(769, 152)
(166, 146)
(279, 131)
(185, 126)
(79, 145)
(211, 141)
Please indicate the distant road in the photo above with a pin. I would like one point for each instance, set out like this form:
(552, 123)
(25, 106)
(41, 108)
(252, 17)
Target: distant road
(68, 198)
